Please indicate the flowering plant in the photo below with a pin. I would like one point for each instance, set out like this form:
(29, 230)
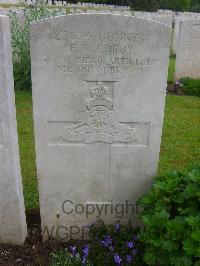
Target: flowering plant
(114, 245)
(109, 245)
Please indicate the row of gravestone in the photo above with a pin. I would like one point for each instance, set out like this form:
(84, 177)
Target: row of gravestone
(179, 37)
(185, 41)
(65, 3)
(162, 17)
(98, 86)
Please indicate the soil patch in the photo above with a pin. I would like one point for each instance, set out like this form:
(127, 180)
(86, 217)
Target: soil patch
(174, 89)
(34, 252)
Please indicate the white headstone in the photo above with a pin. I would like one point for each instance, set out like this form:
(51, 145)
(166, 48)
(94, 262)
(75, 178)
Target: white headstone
(162, 18)
(188, 50)
(99, 84)
(9, 1)
(182, 16)
(4, 11)
(165, 19)
(176, 32)
(127, 13)
(12, 214)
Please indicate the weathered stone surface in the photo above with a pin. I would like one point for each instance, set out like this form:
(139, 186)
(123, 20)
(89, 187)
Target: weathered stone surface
(188, 50)
(181, 16)
(162, 18)
(177, 20)
(12, 213)
(99, 84)
(9, 1)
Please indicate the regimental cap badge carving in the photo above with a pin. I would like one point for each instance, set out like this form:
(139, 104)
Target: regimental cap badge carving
(101, 124)
(99, 97)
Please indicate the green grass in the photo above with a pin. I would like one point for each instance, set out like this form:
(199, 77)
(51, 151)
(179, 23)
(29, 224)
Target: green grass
(27, 148)
(179, 146)
(180, 141)
(171, 69)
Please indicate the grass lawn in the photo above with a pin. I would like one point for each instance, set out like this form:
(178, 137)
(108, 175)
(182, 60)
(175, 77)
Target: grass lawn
(171, 69)
(179, 146)
(27, 148)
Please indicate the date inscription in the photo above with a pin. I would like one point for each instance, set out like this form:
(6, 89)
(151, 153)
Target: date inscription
(100, 53)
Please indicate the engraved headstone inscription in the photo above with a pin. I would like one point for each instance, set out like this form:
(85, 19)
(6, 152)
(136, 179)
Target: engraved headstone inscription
(99, 85)
(188, 52)
(12, 213)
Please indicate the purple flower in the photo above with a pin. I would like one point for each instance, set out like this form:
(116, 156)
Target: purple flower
(117, 258)
(117, 226)
(86, 250)
(107, 241)
(129, 258)
(130, 244)
(73, 250)
(135, 251)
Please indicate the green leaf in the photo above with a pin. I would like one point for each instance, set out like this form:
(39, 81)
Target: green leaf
(189, 246)
(182, 260)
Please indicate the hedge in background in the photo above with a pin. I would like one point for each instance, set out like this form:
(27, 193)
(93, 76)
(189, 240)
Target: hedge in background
(171, 216)
(20, 38)
(191, 86)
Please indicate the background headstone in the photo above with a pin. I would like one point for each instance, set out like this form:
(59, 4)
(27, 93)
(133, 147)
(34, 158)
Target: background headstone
(188, 50)
(12, 214)
(162, 18)
(177, 20)
(99, 83)
(181, 16)
(9, 1)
